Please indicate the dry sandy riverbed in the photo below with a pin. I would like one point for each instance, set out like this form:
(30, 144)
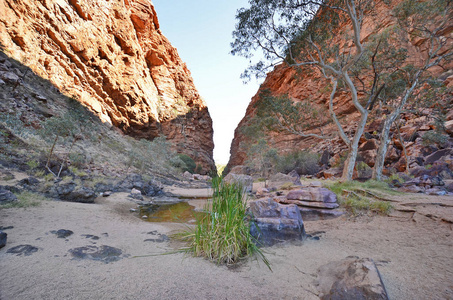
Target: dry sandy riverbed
(413, 251)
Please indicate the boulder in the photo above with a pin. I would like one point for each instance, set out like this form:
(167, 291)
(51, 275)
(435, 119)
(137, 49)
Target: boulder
(350, 279)
(70, 191)
(436, 156)
(187, 175)
(147, 188)
(273, 223)
(315, 214)
(310, 204)
(280, 179)
(245, 180)
(410, 189)
(369, 157)
(136, 194)
(330, 173)
(313, 194)
(6, 196)
(3, 237)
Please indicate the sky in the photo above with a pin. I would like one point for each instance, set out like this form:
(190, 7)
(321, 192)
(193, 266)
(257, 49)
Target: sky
(201, 30)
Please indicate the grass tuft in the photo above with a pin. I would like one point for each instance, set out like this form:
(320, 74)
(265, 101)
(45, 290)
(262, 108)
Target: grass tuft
(362, 197)
(24, 200)
(223, 234)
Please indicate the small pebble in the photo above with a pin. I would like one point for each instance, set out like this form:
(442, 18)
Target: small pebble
(132, 210)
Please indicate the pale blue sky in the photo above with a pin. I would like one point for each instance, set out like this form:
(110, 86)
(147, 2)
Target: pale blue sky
(201, 31)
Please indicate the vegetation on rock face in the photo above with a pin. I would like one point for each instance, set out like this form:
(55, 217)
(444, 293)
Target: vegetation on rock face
(223, 235)
(44, 131)
(375, 72)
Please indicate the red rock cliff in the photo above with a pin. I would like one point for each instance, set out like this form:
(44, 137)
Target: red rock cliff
(112, 57)
(313, 87)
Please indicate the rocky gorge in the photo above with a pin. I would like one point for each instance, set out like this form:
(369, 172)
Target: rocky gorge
(308, 86)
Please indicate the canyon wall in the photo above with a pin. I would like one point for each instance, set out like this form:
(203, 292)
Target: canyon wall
(311, 86)
(112, 57)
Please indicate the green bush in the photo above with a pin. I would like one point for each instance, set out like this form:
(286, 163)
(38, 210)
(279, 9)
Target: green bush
(304, 162)
(188, 163)
(223, 235)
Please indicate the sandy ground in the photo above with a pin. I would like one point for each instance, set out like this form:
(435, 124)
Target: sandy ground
(413, 251)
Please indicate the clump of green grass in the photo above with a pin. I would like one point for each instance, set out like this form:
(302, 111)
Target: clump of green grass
(25, 199)
(362, 197)
(223, 234)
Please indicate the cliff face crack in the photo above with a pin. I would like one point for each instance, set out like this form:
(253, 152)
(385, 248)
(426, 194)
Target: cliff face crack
(78, 9)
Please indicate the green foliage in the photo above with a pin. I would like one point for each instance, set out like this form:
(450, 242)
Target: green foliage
(304, 162)
(24, 199)
(282, 114)
(362, 197)
(261, 158)
(363, 169)
(189, 163)
(223, 235)
(32, 164)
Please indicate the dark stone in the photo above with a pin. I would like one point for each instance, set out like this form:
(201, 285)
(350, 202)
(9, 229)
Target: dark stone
(25, 250)
(436, 156)
(3, 237)
(313, 214)
(73, 193)
(6, 196)
(160, 238)
(103, 253)
(90, 236)
(29, 183)
(273, 223)
(136, 181)
(6, 227)
(351, 279)
(103, 187)
(62, 233)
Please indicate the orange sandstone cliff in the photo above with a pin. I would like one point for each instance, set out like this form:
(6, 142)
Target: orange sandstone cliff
(313, 87)
(112, 57)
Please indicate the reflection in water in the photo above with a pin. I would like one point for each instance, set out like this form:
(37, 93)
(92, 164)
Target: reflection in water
(181, 212)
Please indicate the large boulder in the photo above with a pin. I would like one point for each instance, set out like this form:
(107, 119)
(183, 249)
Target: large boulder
(280, 179)
(273, 223)
(313, 194)
(245, 180)
(136, 181)
(70, 191)
(351, 279)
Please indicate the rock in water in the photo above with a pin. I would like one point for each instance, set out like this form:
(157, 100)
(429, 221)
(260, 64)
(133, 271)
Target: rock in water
(351, 279)
(3, 237)
(274, 223)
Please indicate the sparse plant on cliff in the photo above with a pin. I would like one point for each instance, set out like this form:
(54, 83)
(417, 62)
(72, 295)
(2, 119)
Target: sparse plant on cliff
(69, 128)
(281, 114)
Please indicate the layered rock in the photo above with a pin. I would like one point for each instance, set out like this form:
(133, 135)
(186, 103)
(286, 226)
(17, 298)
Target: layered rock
(312, 87)
(112, 57)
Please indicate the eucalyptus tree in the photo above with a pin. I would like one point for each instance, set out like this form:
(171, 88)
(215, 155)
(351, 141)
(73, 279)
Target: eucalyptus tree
(430, 22)
(305, 33)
